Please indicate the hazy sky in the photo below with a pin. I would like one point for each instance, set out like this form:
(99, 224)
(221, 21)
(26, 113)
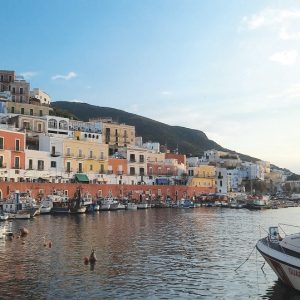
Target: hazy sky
(229, 68)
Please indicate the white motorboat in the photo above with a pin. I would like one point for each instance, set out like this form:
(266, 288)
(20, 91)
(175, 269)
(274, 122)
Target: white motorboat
(46, 205)
(121, 206)
(283, 255)
(142, 205)
(131, 206)
(109, 203)
(3, 217)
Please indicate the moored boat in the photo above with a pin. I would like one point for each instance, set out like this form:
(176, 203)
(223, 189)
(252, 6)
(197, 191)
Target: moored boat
(76, 206)
(283, 255)
(131, 206)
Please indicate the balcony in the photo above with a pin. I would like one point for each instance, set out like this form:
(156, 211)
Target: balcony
(91, 157)
(69, 154)
(80, 156)
(55, 154)
(102, 158)
(120, 172)
(220, 177)
(132, 160)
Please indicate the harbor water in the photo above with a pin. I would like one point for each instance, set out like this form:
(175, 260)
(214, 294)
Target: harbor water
(143, 254)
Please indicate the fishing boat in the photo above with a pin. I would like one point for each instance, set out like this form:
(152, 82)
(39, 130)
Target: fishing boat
(21, 203)
(77, 205)
(282, 253)
(60, 204)
(142, 205)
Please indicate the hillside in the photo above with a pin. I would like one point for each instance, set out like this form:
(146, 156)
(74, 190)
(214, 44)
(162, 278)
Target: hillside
(189, 141)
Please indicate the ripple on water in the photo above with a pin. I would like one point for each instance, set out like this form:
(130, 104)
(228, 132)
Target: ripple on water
(151, 254)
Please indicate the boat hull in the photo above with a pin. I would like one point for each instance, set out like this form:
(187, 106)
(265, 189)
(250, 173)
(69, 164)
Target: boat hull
(286, 267)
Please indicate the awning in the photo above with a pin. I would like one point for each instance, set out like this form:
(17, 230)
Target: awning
(82, 178)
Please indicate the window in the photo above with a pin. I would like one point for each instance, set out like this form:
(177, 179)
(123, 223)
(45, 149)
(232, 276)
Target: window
(53, 150)
(79, 153)
(41, 112)
(53, 164)
(101, 155)
(21, 98)
(40, 165)
(101, 168)
(22, 110)
(91, 167)
(68, 151)
(31, 111)
(141, 158)
(80, 168)
(132, 171)
(39, 127)
(17, 145)
(1, 143)
(14, 90)
(68, 166)
(30, 164)
(132, 157)
(21, 90)
(17, 162)
(91, 154)
(12, 110)
(142, 171)
(1, 162)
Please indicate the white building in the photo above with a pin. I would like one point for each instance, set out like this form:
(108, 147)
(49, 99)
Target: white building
(251, 171)
(152, 146)
(221, 180)
(41, 96)
(233, 180)
(137, 161)
(57, 125)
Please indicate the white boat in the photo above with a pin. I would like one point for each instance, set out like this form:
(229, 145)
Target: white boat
(22, 215)
(21, 202)
(109, 203)
(142, 205)
(3, 217)
(46, 205)
(121, 206)
(96, 207)
(283, 255)
(131, 206)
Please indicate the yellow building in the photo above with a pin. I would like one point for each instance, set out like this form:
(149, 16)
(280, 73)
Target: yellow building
(28, 109)
(82, 155)
(203, 176)
(115, 134)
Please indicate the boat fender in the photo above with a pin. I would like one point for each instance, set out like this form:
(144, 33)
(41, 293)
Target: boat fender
(86, 260)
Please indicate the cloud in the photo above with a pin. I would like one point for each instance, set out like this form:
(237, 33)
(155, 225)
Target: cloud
(287, 57)
(28, 75)
(280, 20)
(69, 76)
(166, 93)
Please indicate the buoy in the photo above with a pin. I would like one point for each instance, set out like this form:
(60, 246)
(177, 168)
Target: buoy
(24, 231)
(86, 260)
(50, 244)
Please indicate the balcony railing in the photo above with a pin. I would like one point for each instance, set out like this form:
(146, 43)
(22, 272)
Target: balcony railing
(81, 156)
(91, 157)
(69, 154)
(55, 154)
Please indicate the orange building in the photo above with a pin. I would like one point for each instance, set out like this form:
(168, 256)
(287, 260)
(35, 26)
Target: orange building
(117, 166)
(12, 149)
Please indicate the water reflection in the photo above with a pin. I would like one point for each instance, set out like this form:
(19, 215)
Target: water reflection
(156, 253)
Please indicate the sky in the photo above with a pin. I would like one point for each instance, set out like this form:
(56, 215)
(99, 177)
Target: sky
(229, 68)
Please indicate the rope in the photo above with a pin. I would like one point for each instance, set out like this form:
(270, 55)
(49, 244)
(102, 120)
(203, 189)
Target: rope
(246, 259)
